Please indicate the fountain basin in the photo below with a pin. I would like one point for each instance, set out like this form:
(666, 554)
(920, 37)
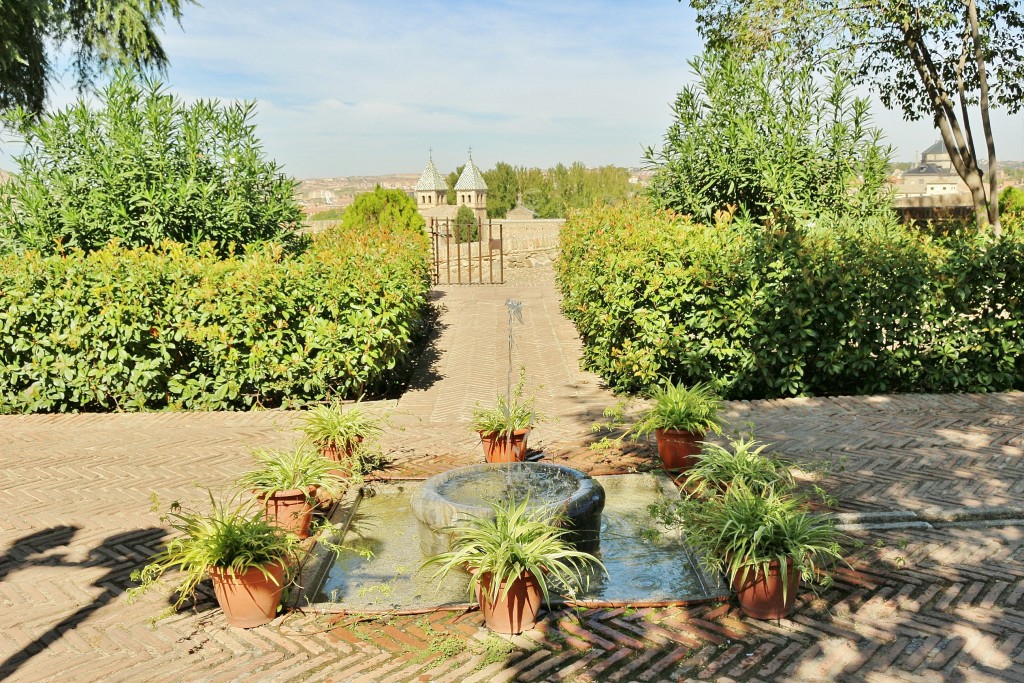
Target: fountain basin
(467, 492)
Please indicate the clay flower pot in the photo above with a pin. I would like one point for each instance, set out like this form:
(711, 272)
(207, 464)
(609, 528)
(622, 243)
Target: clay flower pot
(515, 612)
(760, 594)
(499, 448)
(341, 455)
(250, 598)
(678, 449)
(291, 510)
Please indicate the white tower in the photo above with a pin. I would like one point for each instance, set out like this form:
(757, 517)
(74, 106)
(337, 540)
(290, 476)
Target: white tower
(431, 189)
(471, 190)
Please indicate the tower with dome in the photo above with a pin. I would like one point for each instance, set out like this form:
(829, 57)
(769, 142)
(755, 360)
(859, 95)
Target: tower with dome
(432, 192)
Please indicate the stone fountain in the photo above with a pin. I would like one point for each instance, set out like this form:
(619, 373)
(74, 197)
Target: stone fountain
(466, 492)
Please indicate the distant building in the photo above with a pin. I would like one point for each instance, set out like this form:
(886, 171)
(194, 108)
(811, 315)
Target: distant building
(520, 212)
(933, 176)
(936, 155)
(432, 192)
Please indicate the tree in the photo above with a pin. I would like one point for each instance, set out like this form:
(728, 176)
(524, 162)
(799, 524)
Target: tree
(937, 58)
(502, 190)
(466, 229)
(770, 142)
(99, 33)
(611, 184)
(143, 167)
(538, 192)
(551, 193)
(393, 208)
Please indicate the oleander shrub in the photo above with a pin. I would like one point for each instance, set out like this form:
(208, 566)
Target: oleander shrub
(816, 307)
(770, 141)
(141, 166)
(176, 327)
(390, 207)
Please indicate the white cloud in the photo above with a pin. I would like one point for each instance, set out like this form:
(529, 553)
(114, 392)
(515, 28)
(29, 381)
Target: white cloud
(362, 85)
(347, 87)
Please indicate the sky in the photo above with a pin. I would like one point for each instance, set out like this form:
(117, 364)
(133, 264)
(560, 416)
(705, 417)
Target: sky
(367, 88)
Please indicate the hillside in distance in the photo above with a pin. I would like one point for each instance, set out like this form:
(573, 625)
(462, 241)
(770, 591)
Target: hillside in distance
(320, 194)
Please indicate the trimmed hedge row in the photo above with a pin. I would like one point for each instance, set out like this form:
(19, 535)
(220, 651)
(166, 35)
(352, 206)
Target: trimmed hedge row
(172, 328)
(833, 308)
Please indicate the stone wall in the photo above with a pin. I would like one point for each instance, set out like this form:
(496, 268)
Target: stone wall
(530, 243)
(934, 207)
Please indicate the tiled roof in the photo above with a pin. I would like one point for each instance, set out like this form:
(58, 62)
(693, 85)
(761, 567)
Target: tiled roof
(930, 169)
(431, 180)
(471, 178)
(937, 148)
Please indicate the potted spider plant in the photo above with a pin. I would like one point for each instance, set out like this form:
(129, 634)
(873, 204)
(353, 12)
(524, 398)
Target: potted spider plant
(680, 417)
(513, 560)
(764, 541)
(246, 557)
(505, 427)
(744, 460)
(287, 484)
(339, 434)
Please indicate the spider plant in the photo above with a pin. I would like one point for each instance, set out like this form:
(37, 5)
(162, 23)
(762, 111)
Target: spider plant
(333, 426)
(676, 407)
(299, 468)
(744, 460)
(228, 537)
(515, 541)
(508, 415)
(743, 531)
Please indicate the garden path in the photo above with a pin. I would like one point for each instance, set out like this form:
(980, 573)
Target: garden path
(468, 364)
(936, 593)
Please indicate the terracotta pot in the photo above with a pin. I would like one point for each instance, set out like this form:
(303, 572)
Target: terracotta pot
(678, 449)
(249, 599)
(498, 448)
(291, 509)
(342, 455)
(515, 612)
(760, 594)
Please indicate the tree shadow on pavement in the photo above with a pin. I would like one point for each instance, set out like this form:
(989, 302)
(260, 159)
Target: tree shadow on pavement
(120, 554)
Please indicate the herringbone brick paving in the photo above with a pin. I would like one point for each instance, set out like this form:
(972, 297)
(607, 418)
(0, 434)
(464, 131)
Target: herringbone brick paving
(941, 601)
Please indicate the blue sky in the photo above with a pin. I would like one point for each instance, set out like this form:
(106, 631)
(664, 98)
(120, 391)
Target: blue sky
(365, 88)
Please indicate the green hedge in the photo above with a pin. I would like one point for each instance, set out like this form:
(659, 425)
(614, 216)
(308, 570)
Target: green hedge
(833, 308)
(168, 327)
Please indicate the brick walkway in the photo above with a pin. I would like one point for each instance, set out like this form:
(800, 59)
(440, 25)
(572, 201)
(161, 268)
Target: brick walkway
(939, 598)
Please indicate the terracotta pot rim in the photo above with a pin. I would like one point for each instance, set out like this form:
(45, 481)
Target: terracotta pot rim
(289, 493)
(226, 571)
(493, 435)
(487, 576)
(772, 565)
(339, 444)
(668, 431)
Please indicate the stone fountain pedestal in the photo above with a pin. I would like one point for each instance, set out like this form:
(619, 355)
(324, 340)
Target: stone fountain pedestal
(467, 492)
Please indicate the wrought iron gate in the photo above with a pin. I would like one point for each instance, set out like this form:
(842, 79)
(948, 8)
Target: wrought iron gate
(478, 261)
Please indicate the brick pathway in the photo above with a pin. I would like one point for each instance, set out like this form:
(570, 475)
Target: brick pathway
(942, 599)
